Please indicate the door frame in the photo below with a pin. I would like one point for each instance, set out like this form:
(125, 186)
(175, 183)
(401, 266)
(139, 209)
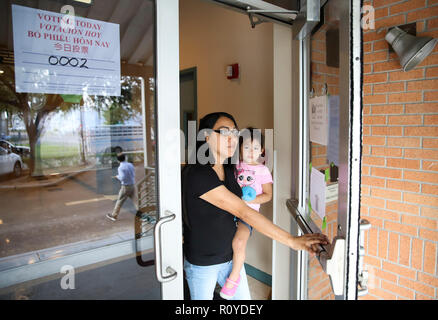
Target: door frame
(348, 219)
(25, 268)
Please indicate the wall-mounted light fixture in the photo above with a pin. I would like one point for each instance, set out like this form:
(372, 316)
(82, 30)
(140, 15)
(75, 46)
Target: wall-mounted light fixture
(410, 49)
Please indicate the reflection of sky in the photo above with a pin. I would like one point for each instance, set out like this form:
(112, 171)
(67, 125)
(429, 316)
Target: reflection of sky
(63, 122)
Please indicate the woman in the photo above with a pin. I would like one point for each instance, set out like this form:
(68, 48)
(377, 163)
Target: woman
(211, 200)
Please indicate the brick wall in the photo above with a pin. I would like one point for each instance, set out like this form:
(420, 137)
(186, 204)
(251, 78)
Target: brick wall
(400, 158)
(318, 286)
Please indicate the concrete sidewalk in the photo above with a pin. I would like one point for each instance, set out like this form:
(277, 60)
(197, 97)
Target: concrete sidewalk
(48, 180)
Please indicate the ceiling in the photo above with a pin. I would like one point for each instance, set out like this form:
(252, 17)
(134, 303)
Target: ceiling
(135, 17)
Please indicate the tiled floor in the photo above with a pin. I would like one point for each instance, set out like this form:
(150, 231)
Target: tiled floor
(259, 290)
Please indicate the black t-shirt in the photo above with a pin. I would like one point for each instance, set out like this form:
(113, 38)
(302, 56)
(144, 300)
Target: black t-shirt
(208, 230)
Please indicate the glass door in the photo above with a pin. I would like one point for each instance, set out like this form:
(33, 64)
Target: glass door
(328, 199)
(82, 104)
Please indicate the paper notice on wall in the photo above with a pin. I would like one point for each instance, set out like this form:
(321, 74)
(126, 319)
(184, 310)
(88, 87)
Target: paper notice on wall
(318, 120)
(333, 139)
(331, 193)
(64, 54)
(317, 192)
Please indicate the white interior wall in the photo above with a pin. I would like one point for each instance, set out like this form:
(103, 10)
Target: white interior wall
(211, 37)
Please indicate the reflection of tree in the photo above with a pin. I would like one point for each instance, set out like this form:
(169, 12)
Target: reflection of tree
(33, 109)
(117, 110)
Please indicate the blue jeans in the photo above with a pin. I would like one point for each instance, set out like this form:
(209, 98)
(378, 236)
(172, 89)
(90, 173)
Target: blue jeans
(202, 280)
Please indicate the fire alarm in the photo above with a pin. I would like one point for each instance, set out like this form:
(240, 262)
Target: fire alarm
(233, 71)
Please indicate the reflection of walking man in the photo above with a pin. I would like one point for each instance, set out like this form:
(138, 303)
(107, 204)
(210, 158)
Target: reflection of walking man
(126, 176)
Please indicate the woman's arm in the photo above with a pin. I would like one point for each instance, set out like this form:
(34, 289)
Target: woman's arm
(222, 198)
(266, 196)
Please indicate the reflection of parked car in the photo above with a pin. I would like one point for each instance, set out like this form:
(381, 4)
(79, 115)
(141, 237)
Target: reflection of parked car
(10, 162)
(20, 150)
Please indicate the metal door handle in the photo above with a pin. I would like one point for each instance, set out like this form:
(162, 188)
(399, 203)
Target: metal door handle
(171, 272)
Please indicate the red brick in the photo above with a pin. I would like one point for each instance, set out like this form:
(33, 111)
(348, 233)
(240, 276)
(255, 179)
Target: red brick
(421, 131)
(402, 75)
(429, 235)
(402, 207)
(430, 165)
(403, 271)
(382, 3)
(431, 96)
(403, 163)
(392, 251)
(371, 246)
(431, 119)
(384, 214)
(432, 59)
(429, 212)
(403, 185)
(432, 71)
(422, 154)
(405, 250)
(374, 161)
(422, 108)
(383, 244)
(420, 176)
(423, 85)
(430, 143)
(391, 21)
(380, 45)
(398, 290)
(375, 78)
(372, 202)
(425, 278)
(372, 261)
(401, 228)
(407, 6)
(381, 294)
(375, 56)
(388, 152)
(405, 97)
(419, 222)
(429, 257)
(429, 189)
(420, 199)
(392, 65)
(403, 142)
(374, 141)
(417, 254)
(405, 120)
(417, 286)
(386, 173)
(371, 181)
(367, 89)
(374, 99)
(388, 109)
(422, 14)
(367, 68)
(373, 35)
(389, 87)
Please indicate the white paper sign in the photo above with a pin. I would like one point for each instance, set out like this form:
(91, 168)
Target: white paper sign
(317, 192)
(61, 54)
(331, 193)
(318, 120)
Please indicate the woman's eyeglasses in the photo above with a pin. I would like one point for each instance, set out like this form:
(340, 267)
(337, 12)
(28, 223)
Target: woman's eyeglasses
(227, 133)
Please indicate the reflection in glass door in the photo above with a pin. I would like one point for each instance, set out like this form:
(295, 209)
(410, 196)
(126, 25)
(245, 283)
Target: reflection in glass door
(78, 132)
(332, 169)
